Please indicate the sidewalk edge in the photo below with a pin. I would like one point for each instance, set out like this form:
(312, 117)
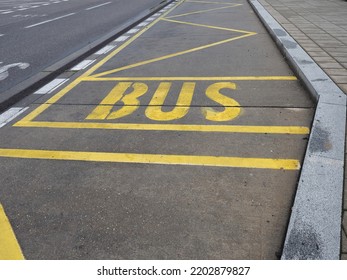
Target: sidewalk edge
(23, 89)
(314, 230)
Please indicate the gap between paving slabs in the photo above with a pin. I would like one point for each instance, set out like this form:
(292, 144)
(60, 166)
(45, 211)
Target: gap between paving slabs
(314, 230)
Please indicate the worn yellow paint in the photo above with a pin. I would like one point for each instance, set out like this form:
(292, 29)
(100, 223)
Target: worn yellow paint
(171, 127)
(127, 43)
(154, 109)
(170, 55)
(9, 247)
(207, 2)
(231, 78)
(209, 26)
(205, 11)
(231, 107)
(246, 34)
(130, 101)
(263, 163)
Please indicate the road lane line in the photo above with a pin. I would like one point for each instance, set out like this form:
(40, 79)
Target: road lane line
(231, 78)
(105, 49)
(11, 114)
(83, 65)
(50, 20)
(143, 24)
(300, 130)
(204, 11)
(236, 162)
(132, 31)
(97, 6)
(170, 55)
(51, 86)
(9, 247)
(121, 39)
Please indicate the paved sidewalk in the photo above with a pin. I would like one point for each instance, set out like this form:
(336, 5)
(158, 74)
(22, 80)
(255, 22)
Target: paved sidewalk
(320, 27)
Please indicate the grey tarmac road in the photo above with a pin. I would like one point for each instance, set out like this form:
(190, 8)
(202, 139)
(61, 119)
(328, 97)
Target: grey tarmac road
(37, 34)
(183, 142)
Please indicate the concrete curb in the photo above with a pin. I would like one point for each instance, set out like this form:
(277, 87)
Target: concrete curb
(314, 230)
(23, 89)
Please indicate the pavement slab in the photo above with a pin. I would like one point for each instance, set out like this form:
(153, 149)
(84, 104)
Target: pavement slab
(312, 24)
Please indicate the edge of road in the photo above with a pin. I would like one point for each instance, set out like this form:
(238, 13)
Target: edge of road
(314, 230)
(23, 89)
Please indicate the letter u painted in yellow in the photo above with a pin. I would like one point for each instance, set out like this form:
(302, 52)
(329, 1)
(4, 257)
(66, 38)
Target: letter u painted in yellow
(131, 103)
(154, 110)
(231, 107)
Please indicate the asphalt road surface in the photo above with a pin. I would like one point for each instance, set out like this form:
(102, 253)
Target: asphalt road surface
(36, 34)
(183, 142)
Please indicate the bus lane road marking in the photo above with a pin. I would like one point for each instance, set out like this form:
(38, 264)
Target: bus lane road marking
(105, 111)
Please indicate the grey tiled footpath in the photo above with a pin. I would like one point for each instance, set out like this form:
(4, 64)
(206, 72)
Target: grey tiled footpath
(320, 27)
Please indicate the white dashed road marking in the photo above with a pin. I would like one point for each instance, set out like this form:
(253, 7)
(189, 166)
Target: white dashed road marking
(121, 38)
(51, 86)
(10, 114)
(94, 7)
(105, 50)
(82, 65)
(50, 20)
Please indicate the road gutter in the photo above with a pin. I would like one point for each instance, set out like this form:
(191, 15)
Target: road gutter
(314, 230)
(23, 89)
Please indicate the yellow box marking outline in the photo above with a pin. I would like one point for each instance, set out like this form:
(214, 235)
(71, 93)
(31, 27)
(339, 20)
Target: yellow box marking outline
(9, 247)
(264, 163)
(27, 121)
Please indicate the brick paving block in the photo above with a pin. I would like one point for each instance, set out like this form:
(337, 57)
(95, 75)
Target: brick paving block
(336, 49)
(344, 88)
(317, 53)
(312, 49)
(340, 79)
(304, 41)
(312, 46)
(330, 65)
(336, 72)
(338, 54)
(342, 59)
(322, 59)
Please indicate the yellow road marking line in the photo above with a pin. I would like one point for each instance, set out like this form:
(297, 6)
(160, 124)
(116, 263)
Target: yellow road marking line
(170, 56)
(76, 82)
(9, 247)
(204, 11)
(116, 51)
(263, 163)
(231, 78)
(207, 2)
(208, 26)
(171, 127)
